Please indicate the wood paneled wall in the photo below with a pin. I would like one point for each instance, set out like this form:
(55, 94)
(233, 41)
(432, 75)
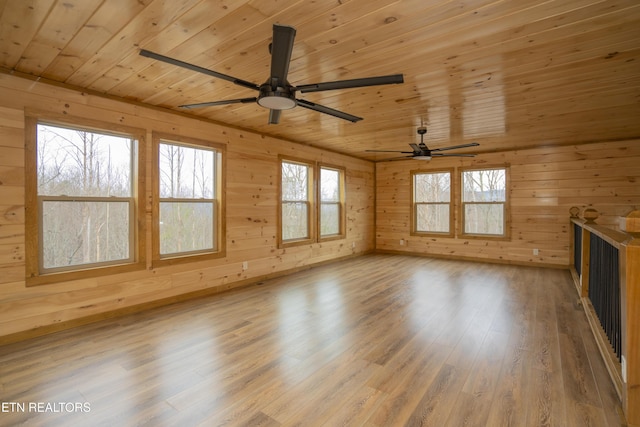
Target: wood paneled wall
(251, 207)
(544, 184)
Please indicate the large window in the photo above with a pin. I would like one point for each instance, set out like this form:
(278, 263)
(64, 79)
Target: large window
(484, 202)
(432, 212)
(82, 200)
(306, 215)
(187, 214)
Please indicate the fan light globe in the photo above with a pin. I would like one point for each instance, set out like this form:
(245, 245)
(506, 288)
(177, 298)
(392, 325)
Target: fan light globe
(276, 102)
(422, 157)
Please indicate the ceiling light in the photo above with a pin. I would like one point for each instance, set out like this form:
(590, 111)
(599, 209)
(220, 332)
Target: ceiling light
(279, 98)
(277, 101)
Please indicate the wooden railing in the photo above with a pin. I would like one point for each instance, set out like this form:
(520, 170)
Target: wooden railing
(606, 272)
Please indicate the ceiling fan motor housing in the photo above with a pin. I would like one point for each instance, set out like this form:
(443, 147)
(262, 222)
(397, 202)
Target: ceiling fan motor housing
(282, 98)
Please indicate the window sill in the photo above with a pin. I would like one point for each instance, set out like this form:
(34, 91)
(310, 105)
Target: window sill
(432, 234)
(87, 273)
(484, 237)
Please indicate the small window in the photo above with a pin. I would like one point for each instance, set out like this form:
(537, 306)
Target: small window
(331, 202)
(86, 212)
(484, 202)
(296, 181)
(187, 215)
(432, 202)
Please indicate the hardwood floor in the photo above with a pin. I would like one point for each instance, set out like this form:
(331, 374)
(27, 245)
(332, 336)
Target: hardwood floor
(379, 340)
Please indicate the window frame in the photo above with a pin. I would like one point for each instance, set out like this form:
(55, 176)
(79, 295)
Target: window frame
(35, 273)
(342, 214)
(414, 205)
(314, 202)
(218, 202)
(506, 211)
(310, 202)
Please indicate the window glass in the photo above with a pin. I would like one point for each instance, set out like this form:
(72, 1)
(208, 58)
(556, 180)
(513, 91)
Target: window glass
(187, 205)
(484, 201)
(295, 201)
(186, 172)
(330, 202)
(77, 162)
(432, 202)
(84, 232)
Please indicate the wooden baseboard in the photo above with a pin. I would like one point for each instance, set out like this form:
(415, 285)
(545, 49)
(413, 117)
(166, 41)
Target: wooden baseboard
(576, 279)
(69, 324)
(473, 259)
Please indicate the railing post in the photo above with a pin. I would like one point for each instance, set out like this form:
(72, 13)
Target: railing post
(575, 255)
(589, 215)
(630, 295)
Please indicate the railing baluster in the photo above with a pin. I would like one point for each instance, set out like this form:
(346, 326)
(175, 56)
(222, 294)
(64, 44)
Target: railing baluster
(604, 289)
(577, 248)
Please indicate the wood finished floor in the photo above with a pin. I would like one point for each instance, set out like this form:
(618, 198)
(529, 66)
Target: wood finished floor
(379, 340)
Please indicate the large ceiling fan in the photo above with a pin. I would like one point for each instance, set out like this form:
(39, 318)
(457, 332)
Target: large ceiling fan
(422, 152)
(277, 93)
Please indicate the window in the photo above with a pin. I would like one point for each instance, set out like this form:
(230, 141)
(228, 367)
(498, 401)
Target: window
(296, 185)
(85, 214)
(432, 212)
(331, 202)
(484, 201)
(307, 216)
(186, 212)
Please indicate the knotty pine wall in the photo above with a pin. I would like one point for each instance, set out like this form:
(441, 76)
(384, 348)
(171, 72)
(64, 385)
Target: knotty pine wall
(544, 184)
(251, 213)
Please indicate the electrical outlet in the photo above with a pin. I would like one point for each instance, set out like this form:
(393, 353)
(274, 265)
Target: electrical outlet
(353, 245)
(536, 252)
(401, 242)
(245, 265)
(623, 362)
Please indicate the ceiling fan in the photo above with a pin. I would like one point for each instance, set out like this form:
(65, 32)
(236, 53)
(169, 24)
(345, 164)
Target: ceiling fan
(422, 152)
(277, 93)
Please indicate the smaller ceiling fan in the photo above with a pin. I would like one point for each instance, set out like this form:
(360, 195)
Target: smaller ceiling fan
(422, 152)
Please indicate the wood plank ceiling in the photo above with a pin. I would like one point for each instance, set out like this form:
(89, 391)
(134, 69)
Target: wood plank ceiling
(507, 74)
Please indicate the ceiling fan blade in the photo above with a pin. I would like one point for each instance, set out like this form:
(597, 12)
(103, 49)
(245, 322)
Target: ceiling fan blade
(451, 155)
(224, 102)
(281, 48)
(399, 158)
(274, 116)
(473, 144)
(321, 108)
(345, 84)
(388, 151)
(202, 70)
